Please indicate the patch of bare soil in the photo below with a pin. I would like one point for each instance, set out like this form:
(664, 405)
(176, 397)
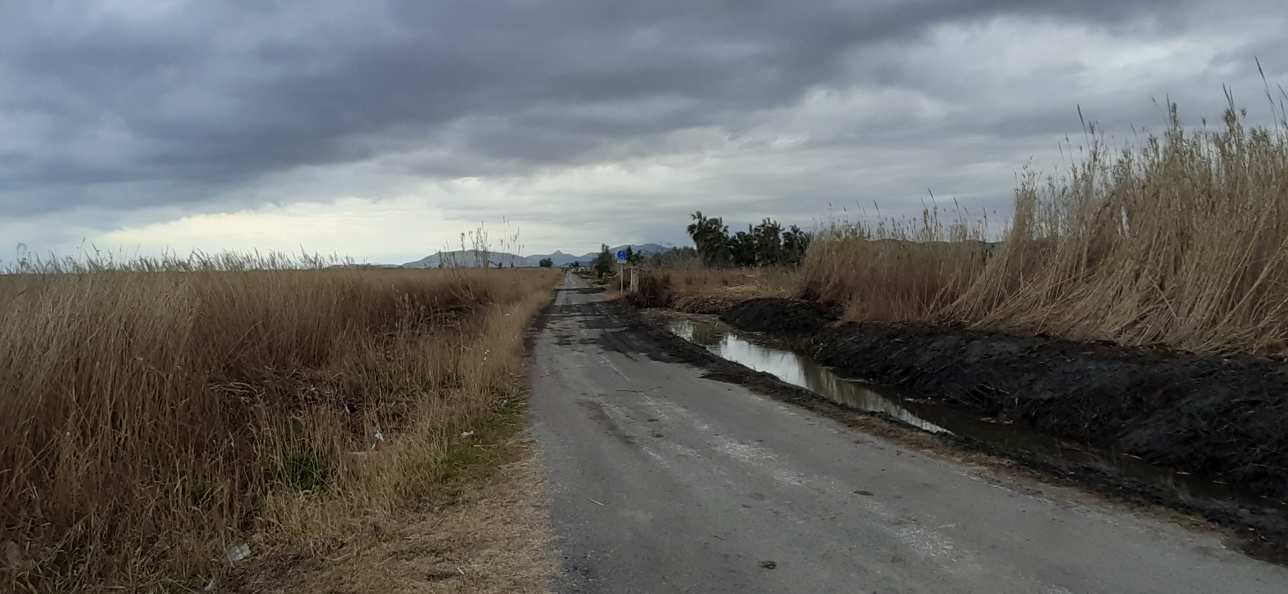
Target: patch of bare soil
(492, 536)
(1221, 418)
(705, 304)
(779, 316)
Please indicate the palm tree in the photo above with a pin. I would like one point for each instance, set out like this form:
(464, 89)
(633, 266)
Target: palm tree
(710, 237)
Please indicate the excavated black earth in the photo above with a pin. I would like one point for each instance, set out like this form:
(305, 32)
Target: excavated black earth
(782, 316)
(1223, 419)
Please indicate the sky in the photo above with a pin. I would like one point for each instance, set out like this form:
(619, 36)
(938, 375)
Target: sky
(381, 130)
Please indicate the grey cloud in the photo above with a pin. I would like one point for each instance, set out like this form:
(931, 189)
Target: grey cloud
(133, 106)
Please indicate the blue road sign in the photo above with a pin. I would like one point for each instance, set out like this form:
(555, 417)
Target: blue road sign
(621, 256)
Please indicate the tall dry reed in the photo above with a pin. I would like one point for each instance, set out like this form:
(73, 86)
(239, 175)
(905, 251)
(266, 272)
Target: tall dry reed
(151, 419)
(896, 269)
(1181, 241)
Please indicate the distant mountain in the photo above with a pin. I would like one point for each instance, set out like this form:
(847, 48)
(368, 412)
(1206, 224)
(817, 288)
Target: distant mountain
(467, 259)
(558, 258)
(471, 258)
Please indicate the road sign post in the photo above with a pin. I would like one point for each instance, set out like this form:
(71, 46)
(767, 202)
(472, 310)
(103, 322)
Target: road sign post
(621, 270)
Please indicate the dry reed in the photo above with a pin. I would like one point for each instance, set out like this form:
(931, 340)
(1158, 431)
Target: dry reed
(1182, 241)
(694, 279)
(157, 413)
(895, 269)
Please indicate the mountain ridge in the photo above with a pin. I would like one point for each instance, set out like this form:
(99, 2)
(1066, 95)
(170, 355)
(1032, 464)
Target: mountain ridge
(472, 258)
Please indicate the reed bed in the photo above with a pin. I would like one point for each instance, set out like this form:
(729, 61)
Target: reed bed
(155, 415)
(1181, 241)
(895, 269)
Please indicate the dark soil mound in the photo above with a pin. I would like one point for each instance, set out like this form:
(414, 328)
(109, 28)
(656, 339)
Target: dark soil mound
(704, 304)
(1224, 419)
(784, 316)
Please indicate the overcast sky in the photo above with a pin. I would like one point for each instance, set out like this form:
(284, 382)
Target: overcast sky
(382, 129)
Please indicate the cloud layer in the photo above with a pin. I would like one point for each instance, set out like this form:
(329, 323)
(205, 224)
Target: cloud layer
(153, 125)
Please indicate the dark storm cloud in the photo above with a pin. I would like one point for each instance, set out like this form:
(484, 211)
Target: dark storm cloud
(181, 101)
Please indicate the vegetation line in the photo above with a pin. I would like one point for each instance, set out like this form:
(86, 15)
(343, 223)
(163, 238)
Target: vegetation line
(156, 419)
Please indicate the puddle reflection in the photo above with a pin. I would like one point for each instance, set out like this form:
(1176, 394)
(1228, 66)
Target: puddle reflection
(796, 370)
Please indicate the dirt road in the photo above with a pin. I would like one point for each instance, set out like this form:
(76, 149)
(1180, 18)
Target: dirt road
(663, 481)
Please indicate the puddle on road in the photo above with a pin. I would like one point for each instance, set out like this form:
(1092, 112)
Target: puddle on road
(796, 370)
(929, 416)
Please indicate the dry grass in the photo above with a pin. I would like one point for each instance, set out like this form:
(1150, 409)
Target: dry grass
(486, 529)
(695, 288)
(895, 269)
(152, 419)
(1182, 241)
(699, 280)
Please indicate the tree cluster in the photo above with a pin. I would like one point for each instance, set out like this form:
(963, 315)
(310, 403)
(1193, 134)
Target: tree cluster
(672, 258)
(604, 261)
(633, 257)
(766, 244)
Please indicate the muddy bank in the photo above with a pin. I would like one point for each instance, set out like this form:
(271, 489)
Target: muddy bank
(781, 316)
(1223, 420)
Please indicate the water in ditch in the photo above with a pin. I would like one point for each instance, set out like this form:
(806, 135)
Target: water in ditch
(796, 370)
(922, 413)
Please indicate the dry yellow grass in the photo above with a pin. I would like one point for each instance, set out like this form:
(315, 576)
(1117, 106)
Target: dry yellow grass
(485, 532)
(695, 288)
(1182, 241)
(152, 419)
(698, 280)
(895, 269)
